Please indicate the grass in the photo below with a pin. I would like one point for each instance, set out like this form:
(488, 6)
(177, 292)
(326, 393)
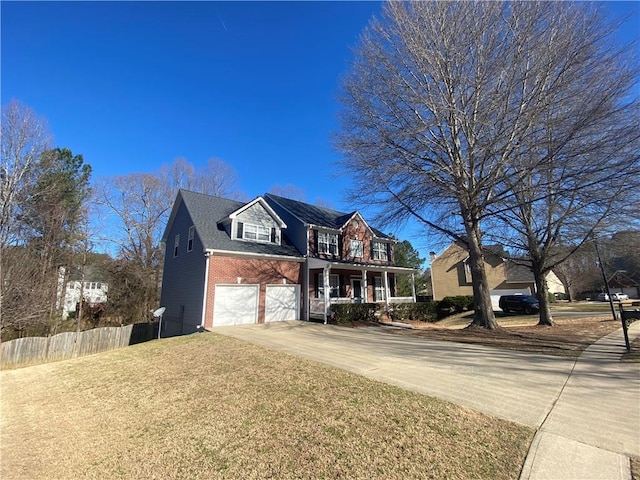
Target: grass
(208, 406)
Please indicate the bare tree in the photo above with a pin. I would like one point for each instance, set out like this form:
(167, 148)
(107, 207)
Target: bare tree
(579, 273)
(25, 137)
(576, 171)
(288, 191)
(138, 206)
(216, 178)
(441, 101)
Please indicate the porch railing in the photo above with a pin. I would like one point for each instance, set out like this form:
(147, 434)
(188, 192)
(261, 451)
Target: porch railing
(317, 304)
(401, 300)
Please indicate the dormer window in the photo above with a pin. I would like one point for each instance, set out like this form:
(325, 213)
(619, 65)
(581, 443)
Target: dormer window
(256, 233)
(256, 222)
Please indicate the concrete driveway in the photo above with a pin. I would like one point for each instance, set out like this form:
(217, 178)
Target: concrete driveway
(586, 412)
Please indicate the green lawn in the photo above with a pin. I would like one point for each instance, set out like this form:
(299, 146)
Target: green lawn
(208, 406)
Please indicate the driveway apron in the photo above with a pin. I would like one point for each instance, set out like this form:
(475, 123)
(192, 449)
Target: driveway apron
(586, 412)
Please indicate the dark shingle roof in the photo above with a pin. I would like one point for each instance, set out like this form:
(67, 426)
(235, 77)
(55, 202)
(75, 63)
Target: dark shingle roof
(207, 212)
(318, 216)
(517, 273)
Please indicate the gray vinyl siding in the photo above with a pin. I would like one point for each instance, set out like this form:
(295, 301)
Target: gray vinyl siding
(182, 279)
(296, 231)
(257, 215)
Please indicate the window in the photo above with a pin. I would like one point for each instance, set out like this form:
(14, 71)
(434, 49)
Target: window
(467, 271)
(378, 292)
(192, 231)
(256, 232)
(334, 286)
(327, 243)
(356, 248)
(176, 245)
(380, 251)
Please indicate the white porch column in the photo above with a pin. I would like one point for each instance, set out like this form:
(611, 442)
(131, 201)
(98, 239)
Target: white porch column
(305, 294)
(413, 286)
(364, 286)
(325, 288)
(385, 282)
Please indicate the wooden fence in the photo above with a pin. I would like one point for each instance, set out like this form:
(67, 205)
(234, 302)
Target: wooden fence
(33, 350)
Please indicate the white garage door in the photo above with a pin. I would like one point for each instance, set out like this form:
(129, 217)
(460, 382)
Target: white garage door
(282, 303)
(235, 305)
(496, 294)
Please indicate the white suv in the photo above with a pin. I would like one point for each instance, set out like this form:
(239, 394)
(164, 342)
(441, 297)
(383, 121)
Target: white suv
(616, 297)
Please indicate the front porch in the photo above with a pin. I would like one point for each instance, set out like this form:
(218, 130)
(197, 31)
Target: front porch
(331, 283)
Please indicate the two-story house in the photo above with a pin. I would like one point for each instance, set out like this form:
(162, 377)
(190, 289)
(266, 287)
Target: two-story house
(347, 259)
(451, 274)
(230, 263)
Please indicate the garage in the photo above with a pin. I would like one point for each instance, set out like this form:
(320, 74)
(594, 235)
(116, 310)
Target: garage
(496, 294)
(282, 303)
(235, 305)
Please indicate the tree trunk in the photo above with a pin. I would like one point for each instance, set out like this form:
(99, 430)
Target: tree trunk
(542, 290)
(483, 309)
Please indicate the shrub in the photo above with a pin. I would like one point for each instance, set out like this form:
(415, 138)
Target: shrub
(343, 313)
(422, 312)
(456, 304)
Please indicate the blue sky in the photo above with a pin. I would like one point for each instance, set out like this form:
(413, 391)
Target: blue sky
(134, 85)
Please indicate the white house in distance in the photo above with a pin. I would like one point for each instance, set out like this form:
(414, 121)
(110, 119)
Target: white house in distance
(92, 291)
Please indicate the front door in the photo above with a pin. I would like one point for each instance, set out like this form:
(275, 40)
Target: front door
(356, 289)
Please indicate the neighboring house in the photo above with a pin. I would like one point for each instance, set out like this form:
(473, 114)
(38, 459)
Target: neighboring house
(621, 281)
(230, 262)
(451, 275)
(94, 293)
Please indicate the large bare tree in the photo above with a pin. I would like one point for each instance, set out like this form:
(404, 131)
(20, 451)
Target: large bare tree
(25, 136)
(576, 172)
(441, 101)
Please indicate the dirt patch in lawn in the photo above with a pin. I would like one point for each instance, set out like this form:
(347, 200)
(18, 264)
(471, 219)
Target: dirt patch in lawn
(567, 338)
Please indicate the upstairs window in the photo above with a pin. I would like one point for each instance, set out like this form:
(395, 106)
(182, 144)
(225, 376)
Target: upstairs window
(327, 243)
(176, 245)
(356, 249)
(467, 271)
(256, 233)
(192, 230)
(380, 251)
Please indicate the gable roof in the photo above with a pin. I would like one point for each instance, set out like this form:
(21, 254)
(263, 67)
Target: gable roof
(315, 216)
(266, 206)
(208, 213)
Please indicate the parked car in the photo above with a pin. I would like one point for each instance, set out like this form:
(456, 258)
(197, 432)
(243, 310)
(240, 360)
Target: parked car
(519, 303)
(616, 297)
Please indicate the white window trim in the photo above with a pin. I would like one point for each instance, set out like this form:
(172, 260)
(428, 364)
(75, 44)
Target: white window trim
(176, 245)
(262, 234)
(356, 248)
(327, 243)
(334, 286)
(192, 230)
(379, 290)
(380, 251)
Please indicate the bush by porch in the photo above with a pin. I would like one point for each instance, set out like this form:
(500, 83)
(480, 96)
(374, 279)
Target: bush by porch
(345, 313)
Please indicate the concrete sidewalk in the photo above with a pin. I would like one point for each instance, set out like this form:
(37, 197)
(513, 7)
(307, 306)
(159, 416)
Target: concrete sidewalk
(586, 412)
